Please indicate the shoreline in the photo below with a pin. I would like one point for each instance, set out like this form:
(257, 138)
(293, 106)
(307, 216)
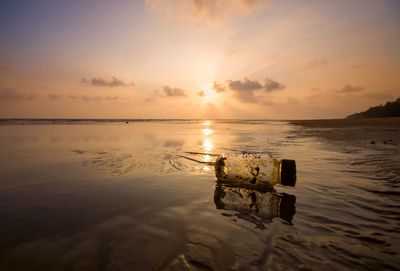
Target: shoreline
(347, 123)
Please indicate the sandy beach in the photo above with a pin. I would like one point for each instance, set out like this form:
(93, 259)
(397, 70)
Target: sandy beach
(116, 195)
(338, 123)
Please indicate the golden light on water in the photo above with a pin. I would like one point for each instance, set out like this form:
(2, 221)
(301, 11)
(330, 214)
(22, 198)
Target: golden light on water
(206, 123)
(207, 158)
(207, 131)
(207, 145)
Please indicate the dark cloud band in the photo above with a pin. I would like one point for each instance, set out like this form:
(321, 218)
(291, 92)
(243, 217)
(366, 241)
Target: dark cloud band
(99, 82)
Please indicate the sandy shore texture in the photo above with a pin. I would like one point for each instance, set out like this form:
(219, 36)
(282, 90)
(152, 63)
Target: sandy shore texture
(338, 123)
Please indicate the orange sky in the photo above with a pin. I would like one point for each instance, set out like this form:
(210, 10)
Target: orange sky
(197, 58)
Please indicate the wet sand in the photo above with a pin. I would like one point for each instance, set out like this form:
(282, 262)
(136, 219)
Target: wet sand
(116, 196)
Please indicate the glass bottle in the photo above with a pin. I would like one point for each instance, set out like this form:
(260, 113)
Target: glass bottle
(255, 171)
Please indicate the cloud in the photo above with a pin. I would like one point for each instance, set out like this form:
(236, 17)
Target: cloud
(348, 88)
(201, 93)
(173, 92)
(99, 82)
(74, 97)
(272, 85)
(315, 63)
(245, 85)
(52, 96)
(244, 89)
(151, 99)
(246, 97)
(9, 94)
(55, 97)
(253, 85)
(218, 88)
(168, 91)
(98, 98)
(210, 11)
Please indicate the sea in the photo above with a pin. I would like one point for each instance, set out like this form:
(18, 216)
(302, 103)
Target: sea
(142, 195)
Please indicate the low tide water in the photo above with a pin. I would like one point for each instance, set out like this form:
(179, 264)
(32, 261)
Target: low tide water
(119, 196)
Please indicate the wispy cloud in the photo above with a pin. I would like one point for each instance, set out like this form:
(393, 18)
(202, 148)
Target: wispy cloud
(348, 88)
(167, 92)
(210, 11)
(55, 97)
(52, 96)
(9, 94)
(201, 93)
(99, 98)
(100, 82)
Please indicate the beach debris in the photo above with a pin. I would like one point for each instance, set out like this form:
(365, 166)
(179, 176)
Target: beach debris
(255, 171)
(249, 170)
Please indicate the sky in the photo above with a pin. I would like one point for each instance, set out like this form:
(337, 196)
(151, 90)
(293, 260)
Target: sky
(230, 59)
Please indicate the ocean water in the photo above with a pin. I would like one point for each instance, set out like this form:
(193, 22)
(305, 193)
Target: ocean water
(111, 195)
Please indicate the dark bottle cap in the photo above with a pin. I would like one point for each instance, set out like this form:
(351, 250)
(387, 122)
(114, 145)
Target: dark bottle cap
(288, 172)
(287, 207)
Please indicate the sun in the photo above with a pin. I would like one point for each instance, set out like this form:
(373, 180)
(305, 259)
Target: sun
(209, 95)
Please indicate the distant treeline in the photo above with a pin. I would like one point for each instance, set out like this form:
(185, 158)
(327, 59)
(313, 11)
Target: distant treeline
(390, 109)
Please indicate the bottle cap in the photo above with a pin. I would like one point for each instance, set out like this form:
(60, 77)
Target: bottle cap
(288, 172)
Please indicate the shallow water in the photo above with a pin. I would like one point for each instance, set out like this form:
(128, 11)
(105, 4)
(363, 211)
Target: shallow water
(116, 196)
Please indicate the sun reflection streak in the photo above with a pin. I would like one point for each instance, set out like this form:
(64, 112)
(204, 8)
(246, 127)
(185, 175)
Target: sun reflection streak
(207, 131)
(207, 145)
(207, 158)
(206, 123)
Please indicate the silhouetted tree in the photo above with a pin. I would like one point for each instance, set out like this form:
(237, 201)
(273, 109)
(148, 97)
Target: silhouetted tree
(390, 109)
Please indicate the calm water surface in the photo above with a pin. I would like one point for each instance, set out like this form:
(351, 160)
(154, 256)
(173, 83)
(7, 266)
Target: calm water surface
(116, 196)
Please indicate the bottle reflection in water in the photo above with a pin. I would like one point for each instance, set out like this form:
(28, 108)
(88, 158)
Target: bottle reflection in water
(255, 171)
(264, 205)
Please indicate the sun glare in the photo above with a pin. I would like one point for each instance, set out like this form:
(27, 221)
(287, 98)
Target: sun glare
(207, 131)
(209, 95)
(207, 145)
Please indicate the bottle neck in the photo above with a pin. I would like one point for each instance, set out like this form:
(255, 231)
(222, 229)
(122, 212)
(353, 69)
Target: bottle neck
(276, 171)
